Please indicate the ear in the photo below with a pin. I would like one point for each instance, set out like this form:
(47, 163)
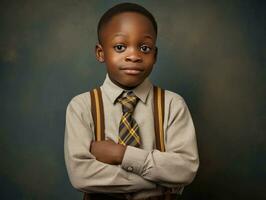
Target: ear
(155, 54)
(99, 53)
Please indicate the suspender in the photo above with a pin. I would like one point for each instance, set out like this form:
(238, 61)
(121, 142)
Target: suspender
(158, 97)
(98, 115)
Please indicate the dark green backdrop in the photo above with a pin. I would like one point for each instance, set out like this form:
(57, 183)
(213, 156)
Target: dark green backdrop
(213, 53)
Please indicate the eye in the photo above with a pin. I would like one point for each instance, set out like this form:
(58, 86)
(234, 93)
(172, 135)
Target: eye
(145, 48)
(119, 48)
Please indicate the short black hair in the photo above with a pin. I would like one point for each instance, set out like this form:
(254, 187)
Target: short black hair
(124, 7)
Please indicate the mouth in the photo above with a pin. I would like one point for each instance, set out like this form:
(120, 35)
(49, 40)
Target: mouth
(132, 70)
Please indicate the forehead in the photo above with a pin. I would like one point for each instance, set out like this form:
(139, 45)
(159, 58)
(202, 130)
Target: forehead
(128, 23)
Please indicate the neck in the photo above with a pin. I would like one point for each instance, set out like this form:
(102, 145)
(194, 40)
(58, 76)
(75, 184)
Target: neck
(123, 86)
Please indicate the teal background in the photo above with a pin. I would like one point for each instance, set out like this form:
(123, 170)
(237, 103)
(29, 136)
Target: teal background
(212, 53)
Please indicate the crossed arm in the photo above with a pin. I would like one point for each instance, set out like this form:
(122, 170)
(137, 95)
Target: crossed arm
(104, 166)
(91, 173)
(108, 151)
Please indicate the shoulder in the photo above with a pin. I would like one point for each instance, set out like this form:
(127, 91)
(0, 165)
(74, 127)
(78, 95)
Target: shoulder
(175, 107)
(172, 97)
(80, 101)
(82, 98)
(175, 103)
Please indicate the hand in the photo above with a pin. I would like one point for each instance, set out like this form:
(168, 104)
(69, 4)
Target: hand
(108, 151)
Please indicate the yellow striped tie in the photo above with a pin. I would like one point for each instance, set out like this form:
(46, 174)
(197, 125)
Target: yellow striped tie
(128, 128)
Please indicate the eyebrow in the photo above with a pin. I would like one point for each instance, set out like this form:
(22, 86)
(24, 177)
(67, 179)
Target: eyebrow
(124, 35)
(148, 36)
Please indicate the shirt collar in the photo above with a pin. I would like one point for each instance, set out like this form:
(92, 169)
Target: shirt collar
(113, 91)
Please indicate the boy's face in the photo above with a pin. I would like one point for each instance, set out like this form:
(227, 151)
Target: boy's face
(128, 49)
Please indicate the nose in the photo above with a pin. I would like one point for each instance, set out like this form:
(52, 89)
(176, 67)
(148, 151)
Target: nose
(133, 56)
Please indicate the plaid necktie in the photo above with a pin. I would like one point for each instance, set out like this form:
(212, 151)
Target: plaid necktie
(128, 128)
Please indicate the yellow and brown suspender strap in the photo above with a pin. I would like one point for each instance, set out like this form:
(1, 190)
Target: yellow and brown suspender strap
(97, 113)
(158, 96)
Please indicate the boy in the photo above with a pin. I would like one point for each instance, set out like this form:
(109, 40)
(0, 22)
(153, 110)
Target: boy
(126, 165)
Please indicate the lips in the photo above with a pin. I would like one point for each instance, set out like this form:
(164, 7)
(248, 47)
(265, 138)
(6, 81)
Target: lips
(132, 70)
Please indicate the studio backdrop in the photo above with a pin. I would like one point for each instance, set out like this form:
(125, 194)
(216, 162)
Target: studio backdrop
(212, 53)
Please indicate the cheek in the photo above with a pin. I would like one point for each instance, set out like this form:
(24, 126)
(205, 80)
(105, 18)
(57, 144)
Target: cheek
(150, 60)
(113, 58)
